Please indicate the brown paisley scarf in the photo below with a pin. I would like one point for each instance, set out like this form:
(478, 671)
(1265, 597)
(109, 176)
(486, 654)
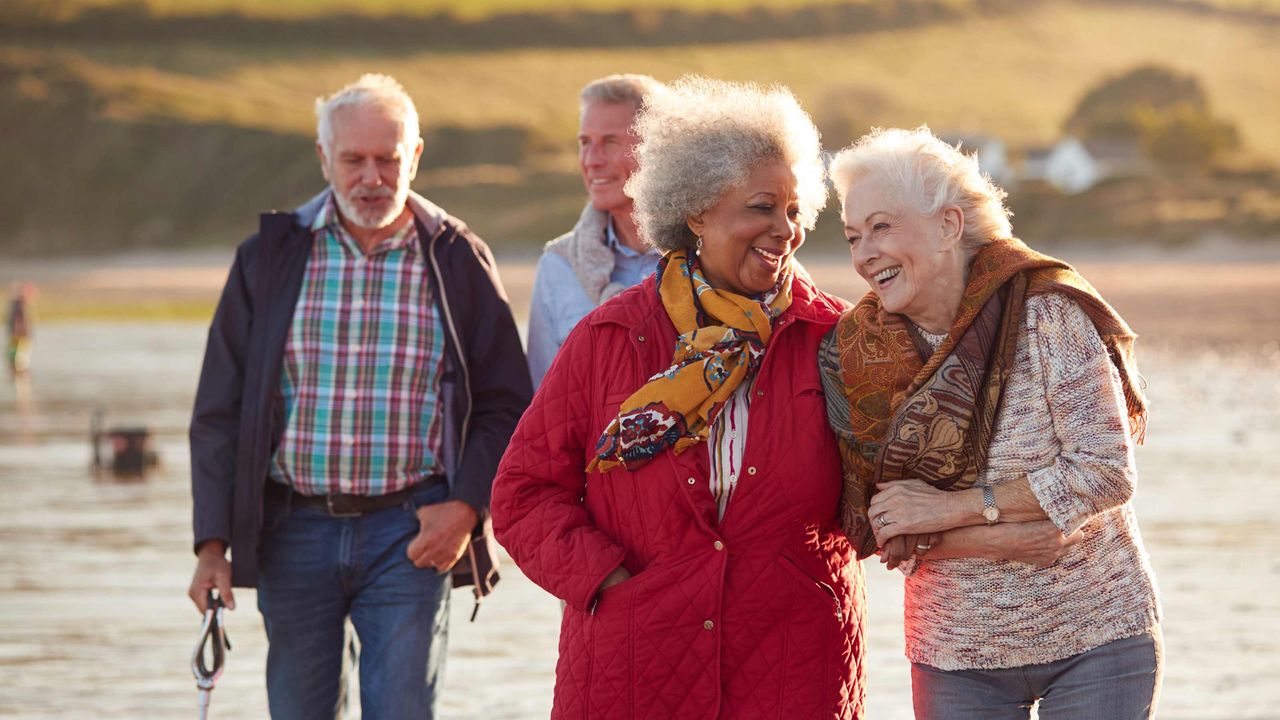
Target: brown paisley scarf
(919, 413)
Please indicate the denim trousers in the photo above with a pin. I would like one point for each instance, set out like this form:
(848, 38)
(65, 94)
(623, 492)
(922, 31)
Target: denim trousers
(1116, 681)
(316, 571)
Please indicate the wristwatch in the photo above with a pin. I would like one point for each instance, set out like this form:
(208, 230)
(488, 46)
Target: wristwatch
(989, 509)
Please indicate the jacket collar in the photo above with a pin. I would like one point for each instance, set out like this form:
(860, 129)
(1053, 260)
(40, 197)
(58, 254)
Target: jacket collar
(429, 215)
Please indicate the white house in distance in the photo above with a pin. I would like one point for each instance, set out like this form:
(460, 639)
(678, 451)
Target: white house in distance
(993, 158)
(1073, 166)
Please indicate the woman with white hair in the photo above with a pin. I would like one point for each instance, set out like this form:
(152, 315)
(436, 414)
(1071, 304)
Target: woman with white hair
(981, 384)
(674, 481)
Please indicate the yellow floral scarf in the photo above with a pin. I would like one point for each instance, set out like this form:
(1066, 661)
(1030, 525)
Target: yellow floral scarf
(722, 339)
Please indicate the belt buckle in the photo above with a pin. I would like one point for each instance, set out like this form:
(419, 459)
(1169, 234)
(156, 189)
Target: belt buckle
(333, 512)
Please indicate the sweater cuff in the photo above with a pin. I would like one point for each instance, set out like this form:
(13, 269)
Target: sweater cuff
(1064, 508)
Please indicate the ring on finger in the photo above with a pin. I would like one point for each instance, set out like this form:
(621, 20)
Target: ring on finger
(923, 548)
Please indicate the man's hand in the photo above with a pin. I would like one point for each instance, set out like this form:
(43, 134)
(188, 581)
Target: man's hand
(444, 531)
(213, 570)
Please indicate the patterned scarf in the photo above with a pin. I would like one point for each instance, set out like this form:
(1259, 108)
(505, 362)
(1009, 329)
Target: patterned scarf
(925, 414)
(722, 340)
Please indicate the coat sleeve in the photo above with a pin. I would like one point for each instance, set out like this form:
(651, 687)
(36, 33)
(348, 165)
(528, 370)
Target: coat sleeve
(538, 510)
(215, 421)
(545, 325)
(498, 377)
(1094, 471)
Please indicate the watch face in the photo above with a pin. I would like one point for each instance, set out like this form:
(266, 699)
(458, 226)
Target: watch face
(991, 514)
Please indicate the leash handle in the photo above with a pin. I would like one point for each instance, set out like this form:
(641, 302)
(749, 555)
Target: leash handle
(214, 635)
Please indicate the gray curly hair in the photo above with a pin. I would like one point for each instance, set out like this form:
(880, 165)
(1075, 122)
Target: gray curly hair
(705, 136)
(928, 174)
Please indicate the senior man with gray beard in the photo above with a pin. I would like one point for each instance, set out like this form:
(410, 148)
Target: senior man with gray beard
(362, 377)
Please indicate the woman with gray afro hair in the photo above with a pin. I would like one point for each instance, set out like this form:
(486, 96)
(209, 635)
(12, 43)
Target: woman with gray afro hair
(673, 481)
(705, 136)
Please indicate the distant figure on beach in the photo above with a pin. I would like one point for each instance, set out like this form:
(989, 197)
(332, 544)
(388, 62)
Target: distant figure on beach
(19, 322)
(603, 254)
(362, 377)
(701, 560)
(987, 402)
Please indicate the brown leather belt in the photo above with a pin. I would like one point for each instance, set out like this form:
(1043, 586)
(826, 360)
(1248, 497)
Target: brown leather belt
(342, 505)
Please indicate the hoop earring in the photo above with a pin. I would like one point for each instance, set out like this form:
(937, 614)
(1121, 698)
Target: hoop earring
(697, 248)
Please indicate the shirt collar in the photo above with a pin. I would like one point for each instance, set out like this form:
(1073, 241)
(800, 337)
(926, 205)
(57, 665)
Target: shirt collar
(615, 244)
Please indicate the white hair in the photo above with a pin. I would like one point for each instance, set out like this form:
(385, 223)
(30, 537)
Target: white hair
(617, 89)
(701, 137)
(927, 174)
(382, 91)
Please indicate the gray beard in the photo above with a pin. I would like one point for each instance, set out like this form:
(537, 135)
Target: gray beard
(364, 220)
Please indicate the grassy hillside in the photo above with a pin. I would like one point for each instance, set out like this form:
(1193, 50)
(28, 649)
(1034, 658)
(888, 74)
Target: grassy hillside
(479, 9)
(129, 143)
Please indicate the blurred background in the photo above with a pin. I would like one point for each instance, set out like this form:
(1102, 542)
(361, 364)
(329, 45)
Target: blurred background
(1139, 139)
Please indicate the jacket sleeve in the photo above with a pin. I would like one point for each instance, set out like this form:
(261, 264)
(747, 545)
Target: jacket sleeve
(538, 511)
(545, 332)
(498, 377)
(215, 421)
(1094, 471)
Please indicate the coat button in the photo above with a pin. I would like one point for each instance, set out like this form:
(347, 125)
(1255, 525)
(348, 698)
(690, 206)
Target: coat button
(709, 625)
(718, 545)
(692, 481)
(640, 338)
(751, 470)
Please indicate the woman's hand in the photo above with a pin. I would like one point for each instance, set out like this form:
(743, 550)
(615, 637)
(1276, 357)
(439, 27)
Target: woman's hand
(618, 575)
(903, 547)
(911, 507)
(1038, 543)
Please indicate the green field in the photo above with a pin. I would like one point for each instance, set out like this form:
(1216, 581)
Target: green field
(238, 116)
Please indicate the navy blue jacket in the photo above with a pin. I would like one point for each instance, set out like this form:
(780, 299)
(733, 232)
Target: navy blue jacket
(238, 417)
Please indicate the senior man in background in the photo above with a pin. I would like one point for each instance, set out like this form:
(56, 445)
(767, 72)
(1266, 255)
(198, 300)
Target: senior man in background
(363, 375)
(603, 254)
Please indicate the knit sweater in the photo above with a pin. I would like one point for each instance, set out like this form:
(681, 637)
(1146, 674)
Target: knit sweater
(1062, 423)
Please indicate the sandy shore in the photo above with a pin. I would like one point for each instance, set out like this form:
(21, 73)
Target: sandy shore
(94, 621)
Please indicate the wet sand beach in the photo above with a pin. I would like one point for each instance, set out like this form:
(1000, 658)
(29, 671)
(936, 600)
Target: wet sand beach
(94, 621)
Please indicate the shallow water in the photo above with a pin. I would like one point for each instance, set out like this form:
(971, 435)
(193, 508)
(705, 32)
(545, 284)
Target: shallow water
(94, 620)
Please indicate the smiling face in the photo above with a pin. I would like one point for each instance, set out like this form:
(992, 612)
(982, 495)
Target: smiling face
(606, 154)
(751, 233)
(912, 261)
(369, 165)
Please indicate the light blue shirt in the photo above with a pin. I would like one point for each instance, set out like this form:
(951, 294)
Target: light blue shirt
(559, 301)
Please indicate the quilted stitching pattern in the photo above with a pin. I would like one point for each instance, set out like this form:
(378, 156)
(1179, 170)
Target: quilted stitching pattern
(771, 625)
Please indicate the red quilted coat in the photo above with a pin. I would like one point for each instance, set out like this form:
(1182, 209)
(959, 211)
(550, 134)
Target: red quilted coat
(759, 615)
(756, 616)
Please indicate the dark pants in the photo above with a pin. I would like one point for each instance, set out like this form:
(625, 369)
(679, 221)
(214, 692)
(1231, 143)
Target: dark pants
(1116, 681)
(316, 571)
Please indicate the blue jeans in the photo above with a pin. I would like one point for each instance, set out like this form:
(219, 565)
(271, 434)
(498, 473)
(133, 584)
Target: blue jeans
(1116, 681)
(316, 570)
